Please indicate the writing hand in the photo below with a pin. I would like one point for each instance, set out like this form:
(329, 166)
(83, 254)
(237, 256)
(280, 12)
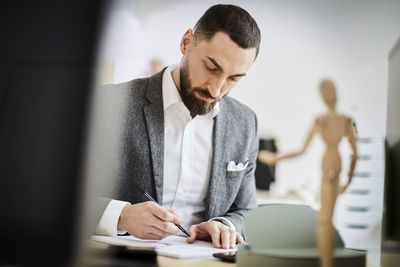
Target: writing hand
(148, 220)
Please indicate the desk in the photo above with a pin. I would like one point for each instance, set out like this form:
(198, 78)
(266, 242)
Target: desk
(263, 197)
(164, 261)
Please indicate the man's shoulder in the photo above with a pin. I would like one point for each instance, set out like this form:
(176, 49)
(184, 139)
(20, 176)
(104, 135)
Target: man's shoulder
(236, 109)
(141, 88)
(135, 86)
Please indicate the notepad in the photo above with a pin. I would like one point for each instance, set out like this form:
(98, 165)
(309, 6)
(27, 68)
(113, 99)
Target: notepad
(172, 246)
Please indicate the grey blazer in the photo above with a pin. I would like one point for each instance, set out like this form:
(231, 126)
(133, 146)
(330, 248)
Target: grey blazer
(230, 193)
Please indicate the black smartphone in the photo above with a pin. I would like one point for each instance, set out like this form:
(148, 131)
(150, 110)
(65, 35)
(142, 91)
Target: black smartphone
(226, 256)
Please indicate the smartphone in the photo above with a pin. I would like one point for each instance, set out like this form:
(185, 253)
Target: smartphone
(226, 256)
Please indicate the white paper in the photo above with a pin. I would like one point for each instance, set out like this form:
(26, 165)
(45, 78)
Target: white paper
(181, 240)
(172, 246)
(177, 247)
(129, 241)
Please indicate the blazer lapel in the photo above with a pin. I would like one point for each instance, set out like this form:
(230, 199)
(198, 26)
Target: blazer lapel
(154, 116)
(218, 168)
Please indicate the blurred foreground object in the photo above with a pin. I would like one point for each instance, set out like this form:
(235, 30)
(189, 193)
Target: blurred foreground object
(47, 56)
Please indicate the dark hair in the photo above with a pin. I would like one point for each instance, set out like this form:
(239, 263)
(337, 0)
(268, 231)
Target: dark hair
(232, 20)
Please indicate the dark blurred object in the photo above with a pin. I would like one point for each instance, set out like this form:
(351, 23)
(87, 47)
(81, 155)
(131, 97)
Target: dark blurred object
(265, 174)
(47, 53)
(120, 256)
(226, 256)
(391, 214)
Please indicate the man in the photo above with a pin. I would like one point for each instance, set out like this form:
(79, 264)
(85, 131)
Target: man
(186, 143)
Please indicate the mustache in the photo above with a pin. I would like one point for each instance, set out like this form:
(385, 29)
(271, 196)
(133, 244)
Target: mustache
(204, 92)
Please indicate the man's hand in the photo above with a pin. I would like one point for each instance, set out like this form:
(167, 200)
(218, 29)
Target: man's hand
(148, 220)
(221, 235)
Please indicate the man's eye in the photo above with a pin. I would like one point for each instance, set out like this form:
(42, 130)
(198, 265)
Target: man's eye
(211, 69)
(233, 79)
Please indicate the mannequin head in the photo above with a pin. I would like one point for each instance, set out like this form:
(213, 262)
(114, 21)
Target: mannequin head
(328, 92)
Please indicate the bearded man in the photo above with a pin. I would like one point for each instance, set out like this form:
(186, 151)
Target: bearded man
(188, 144)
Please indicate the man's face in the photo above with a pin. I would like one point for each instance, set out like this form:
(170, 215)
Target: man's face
(209, 70)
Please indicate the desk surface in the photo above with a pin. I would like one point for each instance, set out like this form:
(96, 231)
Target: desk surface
(164, 261)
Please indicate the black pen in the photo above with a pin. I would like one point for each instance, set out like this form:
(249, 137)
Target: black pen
(152, 199)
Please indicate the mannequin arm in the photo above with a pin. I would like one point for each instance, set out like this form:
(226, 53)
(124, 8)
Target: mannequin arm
(353, 143)
(271, 159)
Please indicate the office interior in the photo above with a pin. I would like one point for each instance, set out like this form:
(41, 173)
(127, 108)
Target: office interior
(302, 42)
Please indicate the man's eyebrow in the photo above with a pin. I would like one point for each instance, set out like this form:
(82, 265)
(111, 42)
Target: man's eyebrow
(221, 69)
(215, 63)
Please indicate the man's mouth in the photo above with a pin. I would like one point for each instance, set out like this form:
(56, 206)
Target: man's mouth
(205, 97)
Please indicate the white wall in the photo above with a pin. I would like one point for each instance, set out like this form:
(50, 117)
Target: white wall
(302, 42)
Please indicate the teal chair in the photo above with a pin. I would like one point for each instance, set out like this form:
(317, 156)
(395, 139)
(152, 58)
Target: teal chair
(284, 235)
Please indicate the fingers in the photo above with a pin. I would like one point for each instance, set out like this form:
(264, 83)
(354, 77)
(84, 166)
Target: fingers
(229, 238)
(221, 235)
(166, 227)
(233, 238)
(163, 213)
(163, 219)
(153, 236)
(215, 234)
(176, 214)
(239, 239)
(192, 233)
(151, 232)
(162, 234)
(225, 238)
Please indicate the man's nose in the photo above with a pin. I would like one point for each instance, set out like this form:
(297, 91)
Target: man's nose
(215, 86)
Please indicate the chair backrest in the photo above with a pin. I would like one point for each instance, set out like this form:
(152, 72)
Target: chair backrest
(283, 226)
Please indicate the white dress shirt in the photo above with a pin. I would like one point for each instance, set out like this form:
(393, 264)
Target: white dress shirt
(187, 155)
(187, 162)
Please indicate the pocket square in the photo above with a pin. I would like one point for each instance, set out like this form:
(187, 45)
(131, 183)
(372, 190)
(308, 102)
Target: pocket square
(234, 166)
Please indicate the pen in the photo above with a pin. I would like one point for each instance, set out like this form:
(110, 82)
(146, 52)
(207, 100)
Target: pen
(180, 227)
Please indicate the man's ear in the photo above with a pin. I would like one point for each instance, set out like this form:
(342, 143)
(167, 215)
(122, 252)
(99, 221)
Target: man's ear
(186, 41)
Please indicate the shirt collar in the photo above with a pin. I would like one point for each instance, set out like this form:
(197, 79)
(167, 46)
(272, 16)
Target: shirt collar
(171, 95)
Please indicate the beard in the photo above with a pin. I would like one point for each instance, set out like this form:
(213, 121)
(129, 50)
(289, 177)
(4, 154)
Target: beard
(195, 105)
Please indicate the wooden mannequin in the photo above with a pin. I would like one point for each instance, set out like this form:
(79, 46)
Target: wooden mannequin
(332, 127)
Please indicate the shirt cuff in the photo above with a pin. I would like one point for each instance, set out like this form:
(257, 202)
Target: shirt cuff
(224, 221)
(108, 224)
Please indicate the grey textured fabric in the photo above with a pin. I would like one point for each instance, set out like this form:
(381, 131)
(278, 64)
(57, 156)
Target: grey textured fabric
(230, 194)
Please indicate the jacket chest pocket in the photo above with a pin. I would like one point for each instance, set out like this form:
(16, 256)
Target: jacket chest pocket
(234, 174)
